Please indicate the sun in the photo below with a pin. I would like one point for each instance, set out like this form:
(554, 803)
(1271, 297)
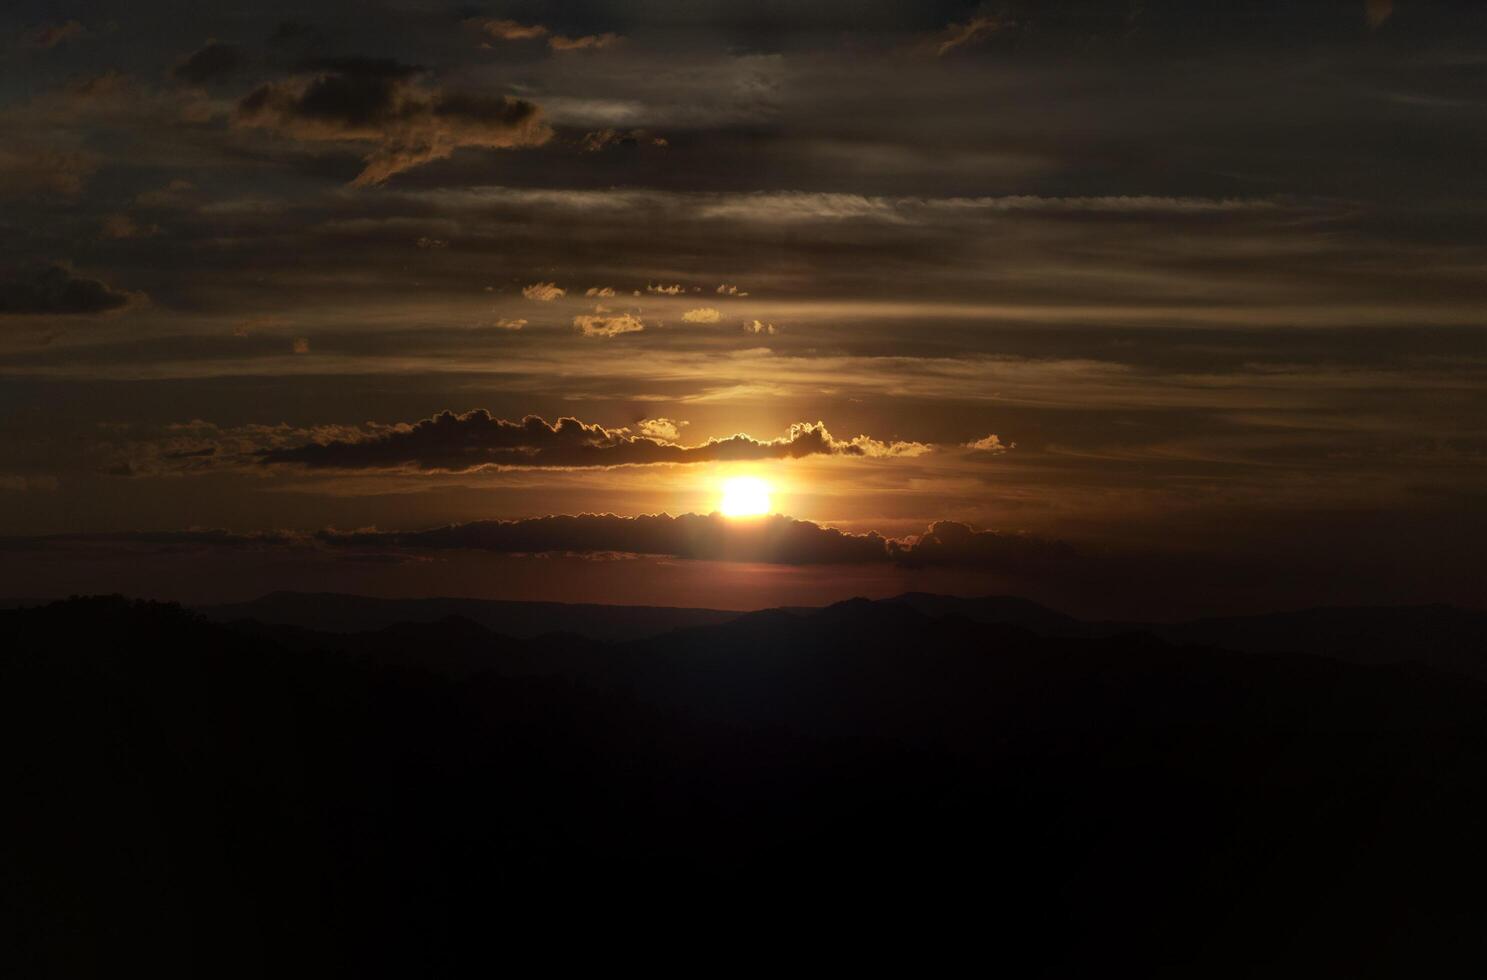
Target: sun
(744, 496)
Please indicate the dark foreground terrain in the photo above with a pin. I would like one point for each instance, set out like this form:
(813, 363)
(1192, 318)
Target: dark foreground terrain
(907, 785)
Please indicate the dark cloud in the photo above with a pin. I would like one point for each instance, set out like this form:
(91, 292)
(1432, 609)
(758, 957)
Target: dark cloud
(205, 451)
(389, 105)
(776, 539)
(511, 30)
(58, 291)
(212, 61)
(28, 168)
(601, 139)
(461, 443)
(955, 544)
(586, 42)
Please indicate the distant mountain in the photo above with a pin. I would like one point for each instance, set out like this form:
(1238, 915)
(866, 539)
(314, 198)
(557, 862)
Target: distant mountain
(1441, 636)
(338, 613)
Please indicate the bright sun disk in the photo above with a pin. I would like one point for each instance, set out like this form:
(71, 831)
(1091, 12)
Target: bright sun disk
(744, 496)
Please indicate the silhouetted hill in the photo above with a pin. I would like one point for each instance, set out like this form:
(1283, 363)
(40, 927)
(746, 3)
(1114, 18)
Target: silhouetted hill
(996, 609)
(337, 613)
(1441, 636)
(860, 785)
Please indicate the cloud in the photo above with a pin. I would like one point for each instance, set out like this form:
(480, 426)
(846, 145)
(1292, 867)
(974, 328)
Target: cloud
(726, 290)
(29, 168)
(246, 328)
(385, 103)
(956, 544)
(185, 540)
(57, 291)
(600, 291)
(867, 446)
(973, 31)
(463, 443)
(120, 226)
(510, 30)
(775, 539)
(513, 30)
(606, 325)
(990, 444)
(669, 430)
(543, 292)
(705, 314)
(174, 194)
(54, 34)
(587, 42)
(22, 483)
(426, 242)
(601, 139)
(759, 326)
(198, 447)
(511, 324)
(673, 290)
(212, 61)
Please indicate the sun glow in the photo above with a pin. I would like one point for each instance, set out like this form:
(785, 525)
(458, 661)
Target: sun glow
(744, 496)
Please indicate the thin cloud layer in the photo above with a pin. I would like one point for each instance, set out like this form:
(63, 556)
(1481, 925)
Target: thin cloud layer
(585, 42)
(972, 32)
(54, 34)
(387, 104)
(513, 30)
(776, 539)
(510, 30)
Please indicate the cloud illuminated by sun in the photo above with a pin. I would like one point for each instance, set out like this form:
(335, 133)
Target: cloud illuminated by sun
(744, 496)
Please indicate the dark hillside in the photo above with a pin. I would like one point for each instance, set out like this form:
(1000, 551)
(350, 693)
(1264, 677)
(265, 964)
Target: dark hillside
(224, 800)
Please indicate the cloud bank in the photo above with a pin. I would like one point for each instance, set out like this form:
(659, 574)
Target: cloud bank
(476, 440)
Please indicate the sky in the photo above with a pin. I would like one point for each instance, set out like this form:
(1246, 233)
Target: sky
(1136, 308)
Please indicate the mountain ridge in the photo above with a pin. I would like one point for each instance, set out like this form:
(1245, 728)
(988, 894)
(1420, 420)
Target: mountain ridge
(1444, 636)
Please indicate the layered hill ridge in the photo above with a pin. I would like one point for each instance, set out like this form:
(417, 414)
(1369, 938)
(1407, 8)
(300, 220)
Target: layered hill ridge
(1442, 636)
